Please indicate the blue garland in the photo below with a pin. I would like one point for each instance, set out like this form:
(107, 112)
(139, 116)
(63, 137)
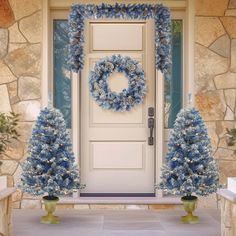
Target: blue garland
(129, 97)
(80, 12)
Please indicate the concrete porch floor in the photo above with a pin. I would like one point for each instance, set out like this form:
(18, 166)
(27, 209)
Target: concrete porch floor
(116, 222)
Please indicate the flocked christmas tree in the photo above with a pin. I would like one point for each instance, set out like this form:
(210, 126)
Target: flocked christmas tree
(189, 167)
(50, 166)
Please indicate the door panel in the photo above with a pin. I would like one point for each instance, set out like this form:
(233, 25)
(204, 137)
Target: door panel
(111, 37)
(125, 155)
(115, 155)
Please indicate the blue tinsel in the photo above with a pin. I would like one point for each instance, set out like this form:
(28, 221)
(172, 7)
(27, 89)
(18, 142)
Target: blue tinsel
(80, 12)
(129, 97)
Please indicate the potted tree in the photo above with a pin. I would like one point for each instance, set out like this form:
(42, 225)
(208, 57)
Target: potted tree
(50, 168)
(8, 132)
(189, 169)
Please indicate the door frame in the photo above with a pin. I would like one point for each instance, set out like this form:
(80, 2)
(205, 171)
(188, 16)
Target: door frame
(184, 12)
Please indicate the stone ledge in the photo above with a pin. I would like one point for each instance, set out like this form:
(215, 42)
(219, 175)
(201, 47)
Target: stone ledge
(6, 192)
(121, 200)
(227, 194)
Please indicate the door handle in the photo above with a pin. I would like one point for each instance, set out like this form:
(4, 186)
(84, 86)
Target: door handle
(151, 123)
(151, 127)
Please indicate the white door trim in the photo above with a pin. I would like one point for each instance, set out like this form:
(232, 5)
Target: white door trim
(75, 118)
(159, 128)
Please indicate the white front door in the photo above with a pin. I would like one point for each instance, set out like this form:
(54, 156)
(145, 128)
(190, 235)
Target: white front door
(114, 152)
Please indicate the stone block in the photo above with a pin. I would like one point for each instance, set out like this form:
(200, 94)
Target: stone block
(15, 35)
(232, 3)
(233, 56)
(162, 206)
(230, 97)
(13, 93)
(29, 88)
(6, 75)
(25, 61)
(17, 175)
(225, 154)
(225, 81)
(211, 105)
(25, 7)
(230, 25)
(65, 206)
(230, 12)
(17, 196)
(4, 99)
(31, 204)
(31, 27)
(15, 150)
(221, 127)
(204, 83)
(25, 130)
(136, 207)
(81, 206)
(224, 145)
(27, 196)
(6, 14)
(229, 114)
(227, 169)
(8, 167)
(108, 207)
(207, 30)
(222, 46)
(16, 205)
(209, 63)
(15, 46)
(3, 42)
(211, 7)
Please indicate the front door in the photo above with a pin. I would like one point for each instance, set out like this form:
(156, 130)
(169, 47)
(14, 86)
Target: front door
(116, 158)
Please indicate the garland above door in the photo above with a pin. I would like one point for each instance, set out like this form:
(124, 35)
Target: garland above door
(161, 15)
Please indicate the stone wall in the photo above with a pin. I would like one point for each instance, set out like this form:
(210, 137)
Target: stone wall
(215, 75)
(20, 36)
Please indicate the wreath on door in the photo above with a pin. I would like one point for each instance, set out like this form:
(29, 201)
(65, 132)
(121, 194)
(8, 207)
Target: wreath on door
(110, 100)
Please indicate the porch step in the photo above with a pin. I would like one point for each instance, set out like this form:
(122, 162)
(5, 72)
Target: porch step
(121, 200)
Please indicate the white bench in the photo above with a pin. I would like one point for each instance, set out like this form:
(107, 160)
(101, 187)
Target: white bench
(5, 207)
(228, 212)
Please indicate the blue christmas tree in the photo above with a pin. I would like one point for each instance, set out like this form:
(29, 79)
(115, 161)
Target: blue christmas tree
(50, 166)
(189, 167)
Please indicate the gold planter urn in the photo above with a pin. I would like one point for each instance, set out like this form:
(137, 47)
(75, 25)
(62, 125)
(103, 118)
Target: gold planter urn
(50, 203)
(190, 204)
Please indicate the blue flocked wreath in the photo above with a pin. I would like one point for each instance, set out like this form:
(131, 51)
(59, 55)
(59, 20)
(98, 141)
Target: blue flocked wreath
(128, 98)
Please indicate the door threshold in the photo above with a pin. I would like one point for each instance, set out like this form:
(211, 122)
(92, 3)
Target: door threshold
(121, 200)
(117, 194)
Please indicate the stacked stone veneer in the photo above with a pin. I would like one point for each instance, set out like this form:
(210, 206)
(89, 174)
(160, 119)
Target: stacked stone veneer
(215, 80)
(20, 52)
(215, 75)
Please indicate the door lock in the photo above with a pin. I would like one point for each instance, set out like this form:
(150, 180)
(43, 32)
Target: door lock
(151, 124)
